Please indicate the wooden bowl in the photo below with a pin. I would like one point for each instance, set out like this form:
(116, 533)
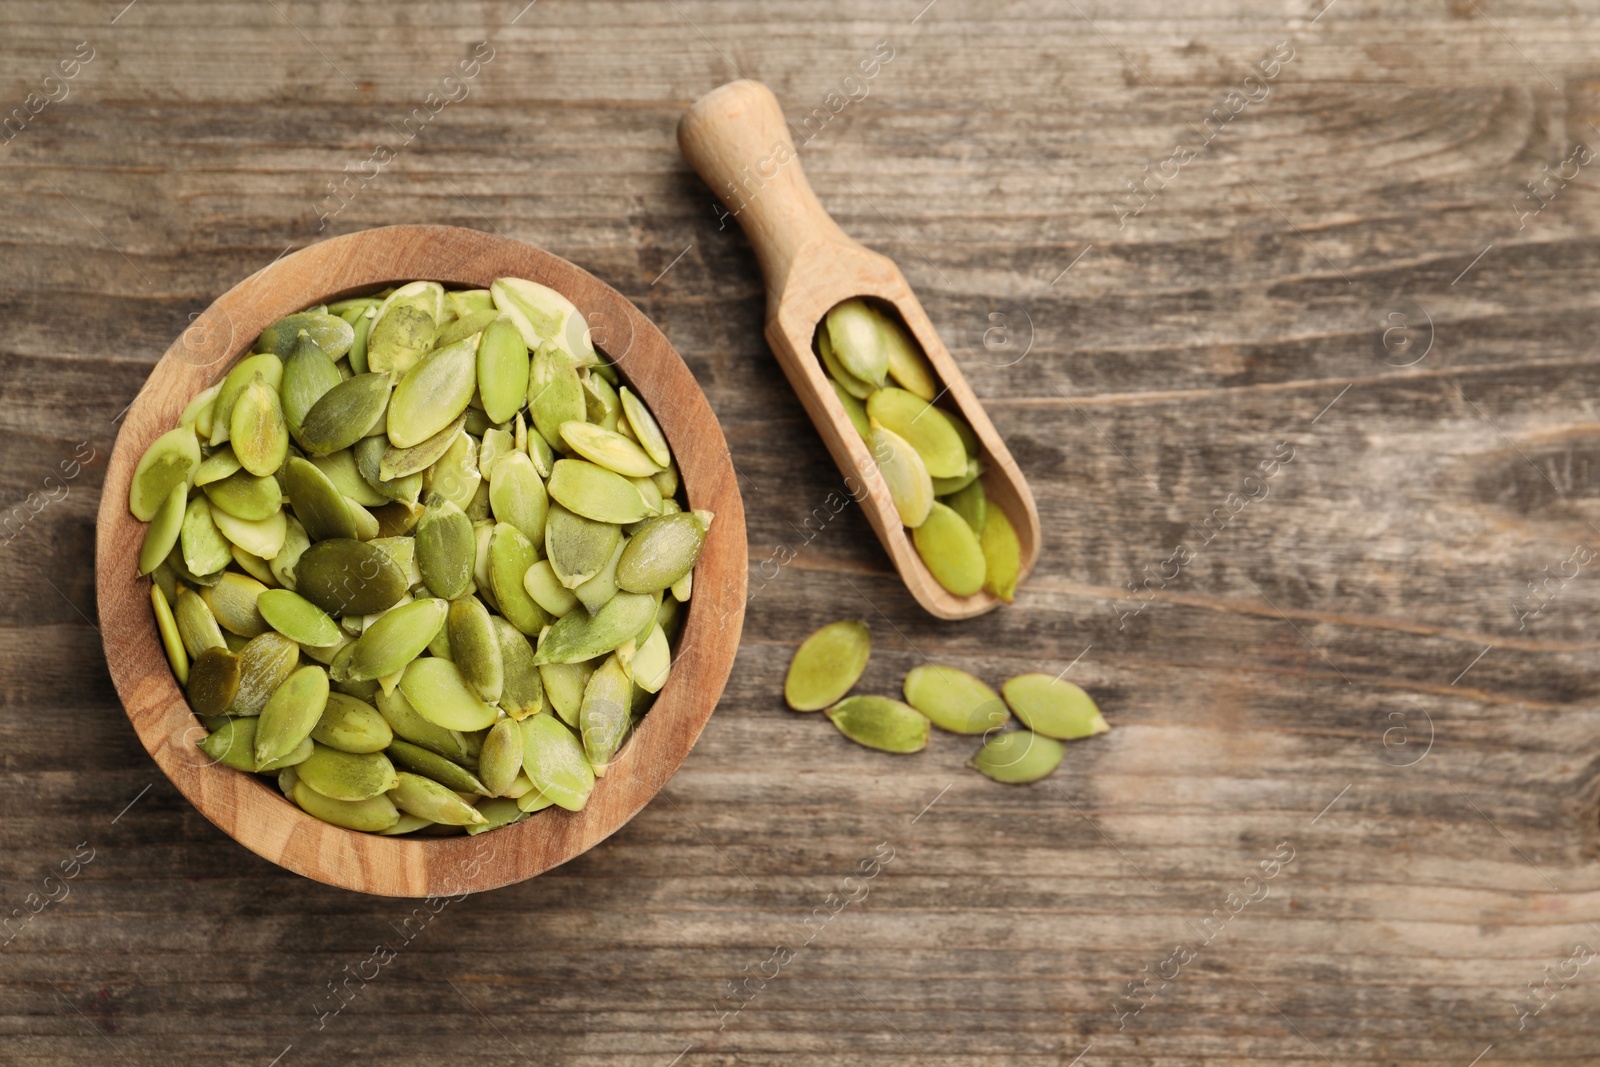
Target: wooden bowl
(250, 809)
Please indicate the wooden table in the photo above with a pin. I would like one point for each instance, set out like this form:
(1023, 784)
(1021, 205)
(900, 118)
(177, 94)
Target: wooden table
(1338, 270)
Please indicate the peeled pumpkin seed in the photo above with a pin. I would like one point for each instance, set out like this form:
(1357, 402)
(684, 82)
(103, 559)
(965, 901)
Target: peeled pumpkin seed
(196, 625)
(369, 453)
(652, 662)
(857, 341)
(341, 469)
(348, 776)
(260, 438)
(170, 461)
(345, 414)
(660, 552)
(594, 593)
(904, 473)
(954, 700)
(971, 504)
(171, 640)
(447, 773)
(432, 394)
(295, 542)
(296, 618)
(466, 325)
(475, 649)
(603, 714)
(681, 588)
(266, 364)
(547, 591)
(201, 403)
(580, 636)
(518, 496)
(352, 725)
(543, 315)
(446, 548)
(854, 409)
(827, 664)
(1002, 555)
(500, 761)
(395, 640)
(216, 466)
(330, 334)
(408, 725)
(455, 475)
(398, 463)
(1054, 708)
(510, 556)
(555, 395)
(925, 427)
(435, 688)
(908, 366)
(264, 663)
(343, 576)
(246, 496)
(497, 812)
(204, 548)
(405, 327)
(601, 405)
(373, 815)
(254, 566)
(233, 601)
(291, 712)
(951, 551)
(470, 301)
(213, 681)
(947, 486)
(555, 762)
(856, 387)
(427, 799)
(405, 824)
(502, 369)
(645, 428)
(317, 502)
(1018, 757)
(880, 723)
(308, 374)
(608, 449)
(563, 686)
(164, 530)
(522, 689)
(263, 537)
(577, 547)
(232, 744)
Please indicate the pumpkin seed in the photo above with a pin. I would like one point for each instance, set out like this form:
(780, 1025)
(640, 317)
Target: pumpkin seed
(1053, 707)
(564, 684)
(470, 301)
(904, 473)
(317, 502)
(532, 801)
(946, 486)
(435, 688)
(164, 530)
(501, 759)
(547, 591)
(308, 374)
(345, 414)
(264, 538)
(170, 461)
(908, 366)
(361, 320)
(971, 504)
(427, 799)
(266, 364)
(432, 394)
(233, 601)
(475, 649)
(608, 449)
(232, 744)
(502, 368)
(446, 548)
(645, 428)
(213, 682)
(681, 588)
(1002, 555)
(455, 475)
(858, 342)
(667, 482)
(601, 405)
(854, 409)
(581, 636)
(954, 700)
(201, 405)
(329, 333)
(410, 726)
(537, 448)
(216, 466)
(497, 812)
(652, 662)
(510, 556)
(950, 549)
(827, 664)
(343, 576)
(171, 639)
(577, 547)
(594, 593)
(555, 762)
(405, 327)
(373, 815)
(595, 492)
(352, 725)
(543, 315)
(398, 463)
(246, 496)
(603, 715)
(264, 664)
(341, 469)
(254, 566)
(856, 387)
(395, 639)
(291, 712)
(296, 618)
(1018, 757)
(969, 439)
(348, 776)
(651, 493)
(880, 723)
(555, 395)
(925, 427)
(447, 773)
(196, 625)
(522, 693)
(493, 445)
(369, 453)
(406, 824)
(660, 552)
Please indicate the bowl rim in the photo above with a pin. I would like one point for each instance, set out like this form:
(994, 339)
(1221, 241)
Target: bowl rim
(249, 808)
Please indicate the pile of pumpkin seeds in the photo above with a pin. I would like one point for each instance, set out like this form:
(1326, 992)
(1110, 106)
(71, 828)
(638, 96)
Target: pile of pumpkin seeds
(830, 662)
(421, 556)
(927, 455)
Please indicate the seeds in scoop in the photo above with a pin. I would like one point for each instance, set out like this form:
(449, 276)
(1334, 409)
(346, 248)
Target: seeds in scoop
(925, 427)
(603, 714)
(329, 333)
(581, 636)
(880, 723)
(954, 700)
(1018, 757)
(908, 366)
(343, 576)
(395, 640)
(856, 387)
(351, 725)
(971, 504)
(501, 759)
(827, 664)
(502, 369)
(170, 461)
(474, 647)
(296, 618)
(577, 547)
(427, 799)
(446, 548)
(347, 775)
(1054, 708)
(291, 713)
(555, 763)
(213, 681)
(447, 773)
(345, 414)
(439, 694)
(857, 341)
(660, 552)
(171, 640)
(904, 473)
(373, 815)
(947, 486)
(855, 409)
(1002, 555)
(950, 549)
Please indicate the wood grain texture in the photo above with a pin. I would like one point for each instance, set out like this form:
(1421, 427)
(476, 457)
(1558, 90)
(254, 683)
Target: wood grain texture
(251, 809)
(1165, 365)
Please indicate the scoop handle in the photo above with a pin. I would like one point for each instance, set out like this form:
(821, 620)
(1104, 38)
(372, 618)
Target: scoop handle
(737, 140)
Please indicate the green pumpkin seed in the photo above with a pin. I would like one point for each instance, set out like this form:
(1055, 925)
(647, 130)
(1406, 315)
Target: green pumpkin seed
(537, 448)
(951, 551)
(446, 549)
(543, 315)
(880, 723)
(501, 759)
(216, 466)
(555, 395)
(600, 403)
(954, 700)
(246, 496)
(517, 495)
(493, 446)
(581, 636)
(660, 552)
(361, 320)
(608, 449)
(652, 663)
(681, 588)
(397, 519)
(467, 326)
(331, 334)
(595, 492)
(291, 712)
(373, 815)
(497, 812)
(406, 824)
(164, 530)
(348, 776)
(202, 403)
(645, 428)
(927, 429)
(397, 638)
(352, 725)
(470, 301)
(427, 799)
(564, 684)
(578, 547)
(344, 472)
(432, 394)
(429, 764)
(296, 618)
(254, 566)
(399, 463)
(308, 374)
(971, 504)
(502, 369)
(856, 387)
(555, 762)
(1002, 555)
(205, 550)
(232, 744)
(667, 482)
(603, 716)
(264, 538)
(213, 682)
(908, 367)
(410, 726)
(854, 409)
(827, 664)
(522, 691)
(170, 461)
(405, 327)
(295, 542)
(532, 800)
(171, 639)
(510, 556)
(947, 486)
(266, 364)
(317, 502)
(435, 688)
(233, 601)
(475, 649)
(1018, 757)
(904, 474)
(547, 591)
(455, 476)
(369, 453)
(265, 662)
(969, 439)
(345, 414)
(196, 625)
(858, 341)
(1053, 707)
(594, 593)
(348, 577)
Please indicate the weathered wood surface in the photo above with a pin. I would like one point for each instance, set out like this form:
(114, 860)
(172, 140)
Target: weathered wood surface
(1369, 596)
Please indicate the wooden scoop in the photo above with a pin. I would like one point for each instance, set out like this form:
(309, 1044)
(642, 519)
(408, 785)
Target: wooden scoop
(736, 138)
